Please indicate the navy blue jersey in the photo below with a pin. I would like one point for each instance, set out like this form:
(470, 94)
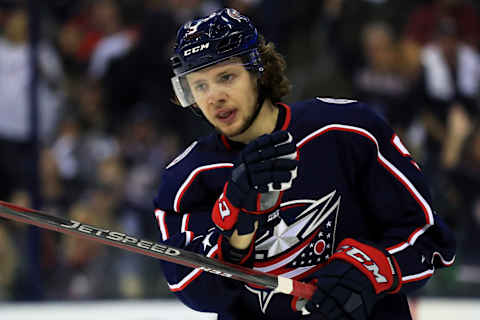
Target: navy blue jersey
(355, 180)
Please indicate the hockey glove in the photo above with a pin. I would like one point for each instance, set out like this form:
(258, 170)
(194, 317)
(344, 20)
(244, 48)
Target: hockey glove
(263, 171)
(355, 278)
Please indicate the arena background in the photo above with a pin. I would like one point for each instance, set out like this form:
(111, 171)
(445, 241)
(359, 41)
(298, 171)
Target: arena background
(87, 124)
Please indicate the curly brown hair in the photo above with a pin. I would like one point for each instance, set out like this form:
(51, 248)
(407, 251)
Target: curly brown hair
(273, 80)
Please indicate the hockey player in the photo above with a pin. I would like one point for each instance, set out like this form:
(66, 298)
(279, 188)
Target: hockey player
(322, 191)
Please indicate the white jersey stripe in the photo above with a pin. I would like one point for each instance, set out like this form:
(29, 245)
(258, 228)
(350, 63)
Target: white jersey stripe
(192, 275)
(160, 215)
(297, 272)
(186, 184)
(185, 219)
(391, 168)
(182, 155)
(424, 204)
(188, 237)
(418, 276)
(417, 234)
(396, 249)
(279, 264)
(444, 262)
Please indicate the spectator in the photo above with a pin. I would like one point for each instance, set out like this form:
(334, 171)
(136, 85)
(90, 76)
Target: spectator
(141, 142)
(422, 24)
(344, 26)
(78, 37)
(458, 128)
(464, 203)
(83, 140)
(423, 21)
(87, 272)
(187, 9)
(116, 39)
(9, 265)
(133, 81)
(89, 105)
(92, 24)
(15, 73)
(449, 82)
(53, 189)
(381, 82)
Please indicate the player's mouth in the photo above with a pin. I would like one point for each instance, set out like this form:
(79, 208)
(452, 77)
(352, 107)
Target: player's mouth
(226, 116)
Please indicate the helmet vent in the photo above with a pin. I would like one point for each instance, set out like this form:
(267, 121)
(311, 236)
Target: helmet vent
(230, 43)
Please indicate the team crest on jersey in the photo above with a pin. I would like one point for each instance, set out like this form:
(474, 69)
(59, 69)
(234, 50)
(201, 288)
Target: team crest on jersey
(312, 218)
(300, 240)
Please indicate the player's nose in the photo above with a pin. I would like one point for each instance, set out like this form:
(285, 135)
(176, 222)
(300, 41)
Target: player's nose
(217, 96)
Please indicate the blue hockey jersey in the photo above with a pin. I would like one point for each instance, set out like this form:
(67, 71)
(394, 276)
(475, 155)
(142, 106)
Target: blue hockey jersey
(355, 180)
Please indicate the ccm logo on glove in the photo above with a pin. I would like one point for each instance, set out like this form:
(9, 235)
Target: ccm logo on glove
(381, 268)
(364, 259)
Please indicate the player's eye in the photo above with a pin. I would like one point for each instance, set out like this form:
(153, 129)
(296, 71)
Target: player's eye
(227, 77)
(200, 87)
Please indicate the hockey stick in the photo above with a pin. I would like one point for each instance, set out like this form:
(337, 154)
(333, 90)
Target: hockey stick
(155, 250)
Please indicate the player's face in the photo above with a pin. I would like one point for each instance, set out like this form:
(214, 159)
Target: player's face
(226, 93)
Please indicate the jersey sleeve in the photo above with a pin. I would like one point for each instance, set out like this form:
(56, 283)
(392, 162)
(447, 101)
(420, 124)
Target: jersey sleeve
(396, 194)
(199, 290)
(182, 214)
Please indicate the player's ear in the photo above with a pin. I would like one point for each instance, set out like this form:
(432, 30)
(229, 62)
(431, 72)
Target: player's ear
(255, 77)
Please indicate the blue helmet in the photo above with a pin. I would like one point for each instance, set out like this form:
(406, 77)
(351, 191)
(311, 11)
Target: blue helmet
(202, 42)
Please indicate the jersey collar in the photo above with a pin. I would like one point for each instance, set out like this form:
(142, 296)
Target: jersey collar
(283, 121)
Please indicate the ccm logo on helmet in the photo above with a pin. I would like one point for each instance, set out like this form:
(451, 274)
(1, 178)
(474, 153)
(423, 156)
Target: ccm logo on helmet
(196, 49)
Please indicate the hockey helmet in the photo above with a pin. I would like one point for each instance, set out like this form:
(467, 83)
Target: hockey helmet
(202, 42)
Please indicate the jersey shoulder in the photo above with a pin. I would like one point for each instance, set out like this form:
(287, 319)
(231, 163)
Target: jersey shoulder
(324, 113)
(202, 156)
(197, 153)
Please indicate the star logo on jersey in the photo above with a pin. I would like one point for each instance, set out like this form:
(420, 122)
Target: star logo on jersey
(206, 242)
(318, 251)
(283, 236)
(302, 238)
(264, 297)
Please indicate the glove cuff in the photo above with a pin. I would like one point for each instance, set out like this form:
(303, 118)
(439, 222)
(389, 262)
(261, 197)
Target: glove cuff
(253, 202)
(231, 254)
(380, 267)
(228, 217)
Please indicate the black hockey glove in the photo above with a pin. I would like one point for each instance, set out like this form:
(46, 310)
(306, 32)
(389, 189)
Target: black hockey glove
(355, 278)
(263, 171)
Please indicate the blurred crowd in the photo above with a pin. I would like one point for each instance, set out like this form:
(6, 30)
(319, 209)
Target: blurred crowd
(108, 125)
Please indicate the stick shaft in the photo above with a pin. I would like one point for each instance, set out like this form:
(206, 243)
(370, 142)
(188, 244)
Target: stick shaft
(155, 250)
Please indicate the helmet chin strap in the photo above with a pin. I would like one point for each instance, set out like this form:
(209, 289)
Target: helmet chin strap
(260, 100)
